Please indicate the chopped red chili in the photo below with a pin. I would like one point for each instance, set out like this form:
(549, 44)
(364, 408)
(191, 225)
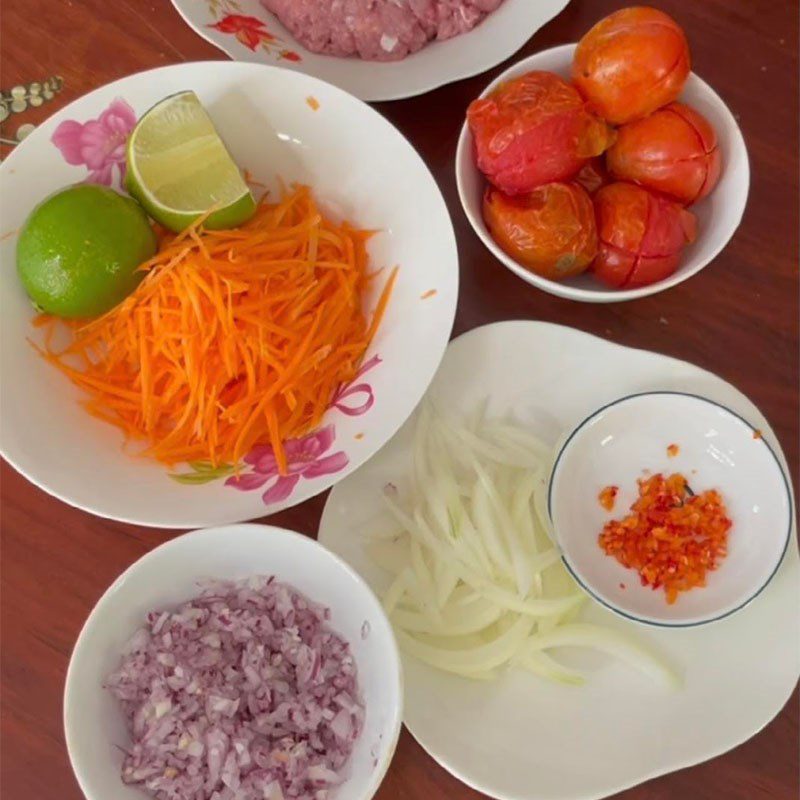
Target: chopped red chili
(608, 497)
(673, 537)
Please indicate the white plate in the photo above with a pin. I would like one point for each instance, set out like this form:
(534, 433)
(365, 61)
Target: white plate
(718, 215)
(94, 725)
(358, 166)
(500, 35)
(524, 739)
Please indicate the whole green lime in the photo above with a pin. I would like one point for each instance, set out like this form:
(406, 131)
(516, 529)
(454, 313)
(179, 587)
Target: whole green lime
(79, 250)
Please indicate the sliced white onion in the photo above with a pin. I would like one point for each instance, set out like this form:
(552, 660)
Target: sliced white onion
(610, 641)
(483, 658)
(478, 583)
(545, 666)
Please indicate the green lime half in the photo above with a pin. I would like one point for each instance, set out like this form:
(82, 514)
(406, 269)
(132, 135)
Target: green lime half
(78, 251)
(179, 168)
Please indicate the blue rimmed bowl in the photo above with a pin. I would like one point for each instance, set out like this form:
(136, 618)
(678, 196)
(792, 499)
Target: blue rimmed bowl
(713, 448)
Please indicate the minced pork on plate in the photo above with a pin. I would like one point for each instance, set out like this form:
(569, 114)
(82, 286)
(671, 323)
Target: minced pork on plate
(377, 30)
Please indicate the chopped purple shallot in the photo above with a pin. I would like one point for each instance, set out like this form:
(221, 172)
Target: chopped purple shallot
(243, 693)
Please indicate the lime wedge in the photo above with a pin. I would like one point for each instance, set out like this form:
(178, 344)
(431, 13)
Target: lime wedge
(179, 168)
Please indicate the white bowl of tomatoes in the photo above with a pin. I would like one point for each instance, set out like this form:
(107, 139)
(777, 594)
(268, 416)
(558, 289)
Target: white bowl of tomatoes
(598, 188)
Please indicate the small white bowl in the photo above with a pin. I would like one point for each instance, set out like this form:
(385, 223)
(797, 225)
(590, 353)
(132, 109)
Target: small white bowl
(718, 449)
(718, 215)
(94, 724)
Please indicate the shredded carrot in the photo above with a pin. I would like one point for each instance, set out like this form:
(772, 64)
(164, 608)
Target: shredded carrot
(234, 337)
(250, 180)
(429, 293)
(313, 103)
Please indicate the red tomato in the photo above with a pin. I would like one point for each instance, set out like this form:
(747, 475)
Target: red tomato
(631, 63)
(640, 234)
(550, 231)
(593, 175)
(533, 130)
(673, 151)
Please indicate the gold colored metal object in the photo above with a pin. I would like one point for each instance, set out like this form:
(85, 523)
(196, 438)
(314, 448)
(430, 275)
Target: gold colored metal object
(20, 98)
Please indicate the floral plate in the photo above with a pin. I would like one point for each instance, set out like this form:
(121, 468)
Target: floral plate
(278, 125)
(246, 31)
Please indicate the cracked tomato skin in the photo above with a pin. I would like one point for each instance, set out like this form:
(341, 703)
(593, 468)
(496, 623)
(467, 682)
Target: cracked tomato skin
(674, 151)
(640, 235)
(533, 130)
(593, 175)
(550, 231)
(631, 63)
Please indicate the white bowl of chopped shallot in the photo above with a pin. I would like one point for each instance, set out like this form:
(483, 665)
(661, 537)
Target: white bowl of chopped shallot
(243, 662)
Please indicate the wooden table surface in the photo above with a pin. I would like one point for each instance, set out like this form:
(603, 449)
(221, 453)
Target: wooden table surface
(739, 318)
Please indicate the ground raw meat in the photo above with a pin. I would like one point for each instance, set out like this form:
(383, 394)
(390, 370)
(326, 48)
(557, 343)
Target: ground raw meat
(243, 693)
(377, 30)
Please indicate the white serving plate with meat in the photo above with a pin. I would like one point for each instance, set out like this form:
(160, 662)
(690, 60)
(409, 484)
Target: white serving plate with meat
(247, 31)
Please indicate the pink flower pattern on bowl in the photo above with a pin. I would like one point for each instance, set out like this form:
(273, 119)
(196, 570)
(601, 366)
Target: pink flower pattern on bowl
(98, 144)
(306, 459)
(249, 31)
(353, 390)
(306, 456)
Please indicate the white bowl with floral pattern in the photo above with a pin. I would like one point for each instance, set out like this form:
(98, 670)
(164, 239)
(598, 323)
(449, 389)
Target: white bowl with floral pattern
(246, 31)
(278, 125)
